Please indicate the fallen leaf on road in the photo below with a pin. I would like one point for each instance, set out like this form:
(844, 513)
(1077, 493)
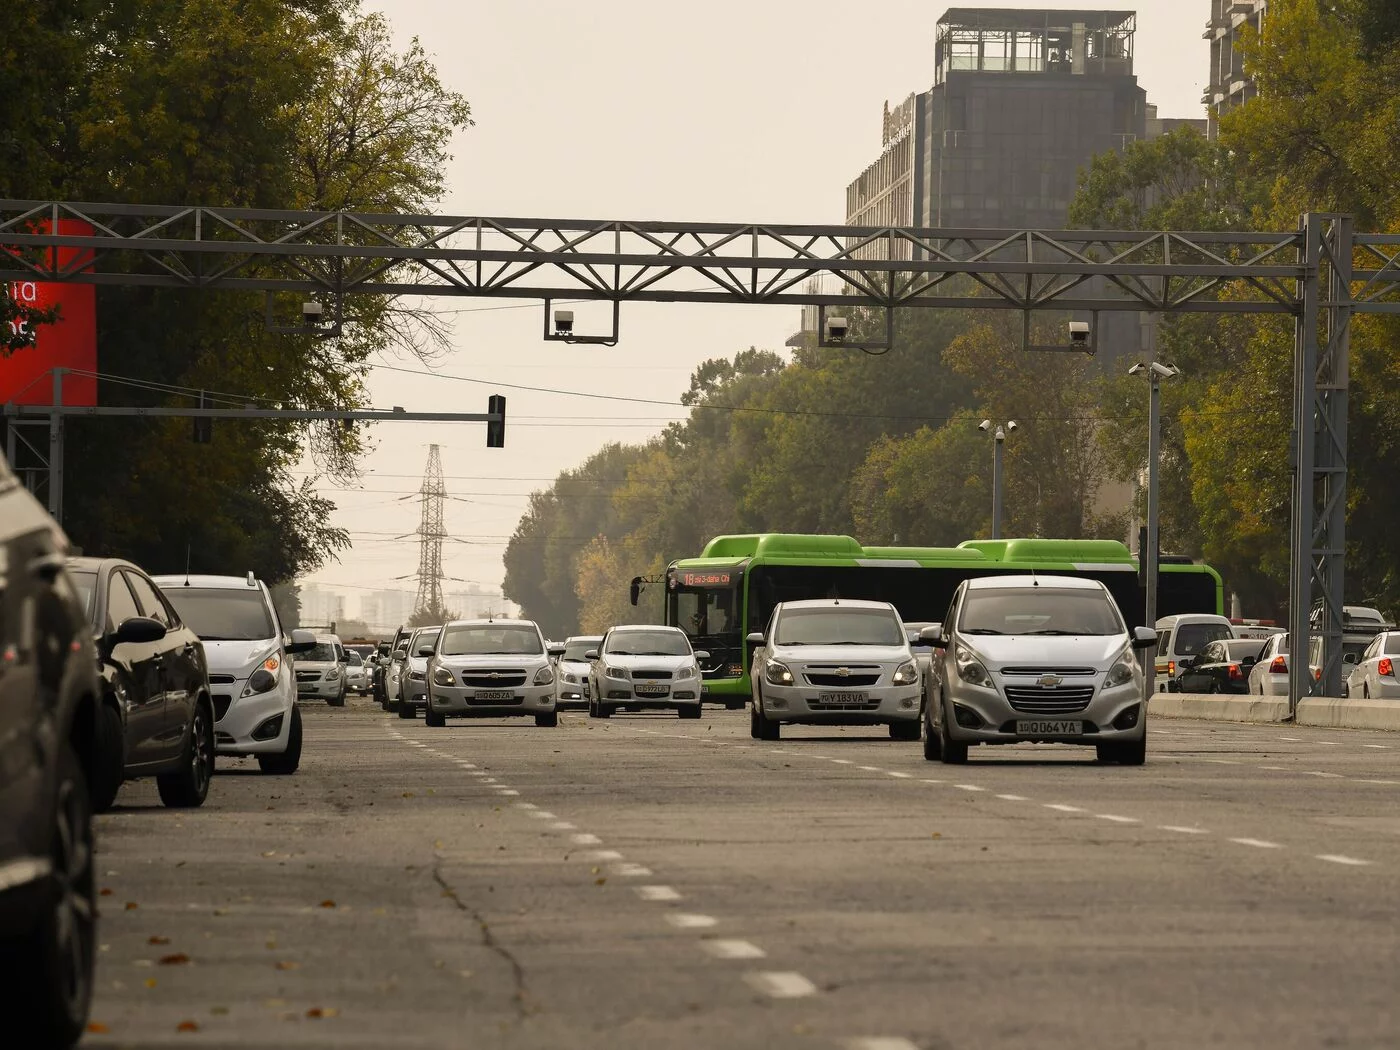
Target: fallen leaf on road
(219, 1011)
(465, 973)
(187, 1026)
(271, 945)
(177, 959)
(150, 982)
(328, 904)
(437, 843)
(97, 1028)
(408, 794)
(936, 835)
(288, 964)
(594, 870)
(131, 905)
(599, 882)
(104, 892)
(270, 853)
(157, 939)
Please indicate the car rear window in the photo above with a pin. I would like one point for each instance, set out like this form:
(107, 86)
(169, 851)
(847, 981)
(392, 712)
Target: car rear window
(1191, 638)
(1245, 648)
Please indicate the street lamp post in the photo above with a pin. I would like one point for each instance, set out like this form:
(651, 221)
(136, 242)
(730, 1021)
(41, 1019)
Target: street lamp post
(1155, 372)
(999, 437)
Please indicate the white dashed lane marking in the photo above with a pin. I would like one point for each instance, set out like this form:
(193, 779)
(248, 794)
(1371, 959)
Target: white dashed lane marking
(722, 949)
(1013, 798)
(657, 893)
(683, 921)
(586, 839)
(563, 825)
(631, 871)
(880, 1042)
(1337, 858)
(1118, 819)
(781, 985)
(870, 769)
(902, 776)
(1257, 843)
(1179, 829)
(1061, 807)
(969, 787)
(601, 855)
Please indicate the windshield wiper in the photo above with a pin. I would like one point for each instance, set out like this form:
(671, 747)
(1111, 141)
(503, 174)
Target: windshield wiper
(1053, 630)
(981, 630)
(619, 652)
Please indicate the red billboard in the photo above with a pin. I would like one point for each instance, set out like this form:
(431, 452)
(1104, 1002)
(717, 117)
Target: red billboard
(70, 342)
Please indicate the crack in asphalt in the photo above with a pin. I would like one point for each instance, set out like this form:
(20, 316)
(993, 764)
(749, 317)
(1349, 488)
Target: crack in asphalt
(488, 940)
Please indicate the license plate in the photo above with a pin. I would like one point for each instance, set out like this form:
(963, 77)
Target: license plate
(494, 694)
(303, 687)
(841, 698)
(1040, 727)
(651, 689)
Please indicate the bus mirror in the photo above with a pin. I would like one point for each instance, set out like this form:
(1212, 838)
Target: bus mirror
(635, 591)
(756, 638)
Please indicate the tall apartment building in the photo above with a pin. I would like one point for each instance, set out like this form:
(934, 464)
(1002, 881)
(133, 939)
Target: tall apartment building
(1229, 86)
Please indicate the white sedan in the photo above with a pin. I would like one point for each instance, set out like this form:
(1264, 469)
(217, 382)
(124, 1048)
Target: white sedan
(1375, 677)
(644, 669)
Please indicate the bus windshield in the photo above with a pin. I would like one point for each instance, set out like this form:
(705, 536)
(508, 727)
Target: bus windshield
(705, 612)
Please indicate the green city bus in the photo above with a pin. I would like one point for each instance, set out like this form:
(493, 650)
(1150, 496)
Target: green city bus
(730, 590)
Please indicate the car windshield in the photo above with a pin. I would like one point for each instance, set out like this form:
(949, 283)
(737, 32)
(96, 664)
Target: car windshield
(578, 649)
(223, 614)
(648, 643)
(1191, 638)
(85, 583)
(491, 640)
(324, 653)
(1040, 610)
(356, 660)
(835, 626)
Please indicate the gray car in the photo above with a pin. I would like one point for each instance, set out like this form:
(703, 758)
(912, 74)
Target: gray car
(1037, 658)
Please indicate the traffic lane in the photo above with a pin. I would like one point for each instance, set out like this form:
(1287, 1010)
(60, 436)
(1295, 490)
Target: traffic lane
(382, 897)
(880, 887)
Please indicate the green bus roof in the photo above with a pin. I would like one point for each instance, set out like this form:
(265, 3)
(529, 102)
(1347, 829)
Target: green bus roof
(797, 549)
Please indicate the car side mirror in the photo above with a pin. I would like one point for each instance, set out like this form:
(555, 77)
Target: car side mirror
(1186, 662)
(701, 654)
(138, 630)
(1249, 661)
(302, 641)
(401, 653)
(425, 650)
(1144, 638)
(933, 635)
(345, 658)
(592, 654)
(756, 638)
(556, 651)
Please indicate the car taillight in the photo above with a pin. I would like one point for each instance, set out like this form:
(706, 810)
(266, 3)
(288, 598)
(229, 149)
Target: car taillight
(1317, 674)
(1279, 666)
(1234, 670)
(1385, 667)
(1171, 668)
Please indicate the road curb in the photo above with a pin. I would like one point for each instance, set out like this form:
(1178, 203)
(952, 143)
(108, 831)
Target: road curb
(1315, 711)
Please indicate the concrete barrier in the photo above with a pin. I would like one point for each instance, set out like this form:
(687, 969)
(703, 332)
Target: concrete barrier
(1219, 708)
(1314, 711)
(1349, 714)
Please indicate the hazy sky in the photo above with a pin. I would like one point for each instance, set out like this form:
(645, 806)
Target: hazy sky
(753, 111)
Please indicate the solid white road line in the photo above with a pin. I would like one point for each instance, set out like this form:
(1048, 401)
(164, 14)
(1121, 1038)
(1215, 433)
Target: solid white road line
(1063, 808)
(781, 985)
(1118, 820)
(1337, 858)
(586, 839)
(733, 949)
(683, 921)
(1182, 830)
(1257, 843)
(657, 893)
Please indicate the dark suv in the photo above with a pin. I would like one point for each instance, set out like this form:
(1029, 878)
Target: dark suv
(48, 733)
(156, 717)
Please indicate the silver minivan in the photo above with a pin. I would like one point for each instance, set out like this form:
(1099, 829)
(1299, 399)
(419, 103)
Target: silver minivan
(1044, 659)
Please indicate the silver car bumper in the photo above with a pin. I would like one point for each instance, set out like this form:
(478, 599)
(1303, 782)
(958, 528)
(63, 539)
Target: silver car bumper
(247, 727)
(869, 705)
(1112, 715)
(463, 702)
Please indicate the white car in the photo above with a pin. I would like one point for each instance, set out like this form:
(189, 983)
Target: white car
(356, 674)
(250, 675)
(571, 671)
(321, 672)
(642, 668)
(1269, 675)
(413, 673)
(835, 662)
(1375, 676)
(1043, 659)
(490, 669)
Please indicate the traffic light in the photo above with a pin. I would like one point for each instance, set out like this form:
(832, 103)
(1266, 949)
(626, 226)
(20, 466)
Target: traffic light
(496, 429)
(203, 425)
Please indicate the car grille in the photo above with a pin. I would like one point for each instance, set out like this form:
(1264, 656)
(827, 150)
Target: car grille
(308, 676)
(1033, 700)
(502, 679)
(221, 679)
(651, 674)
(850, 681)
(1066, 672)
(222, 702)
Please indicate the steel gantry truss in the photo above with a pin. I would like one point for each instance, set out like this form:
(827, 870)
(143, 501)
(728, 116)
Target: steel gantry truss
(1320, 274)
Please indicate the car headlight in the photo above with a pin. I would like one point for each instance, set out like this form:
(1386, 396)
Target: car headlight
(332, 674)
(261, 680)
(545, 675)
(775, 673)
(571, 678)
(970, 669)
(690, 671)
(416, 676)
(1122, 672)
(620, 673)
(442, 676)
(906, 673)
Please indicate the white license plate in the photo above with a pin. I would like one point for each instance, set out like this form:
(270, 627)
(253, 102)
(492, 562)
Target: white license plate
(652, 690)
(1045, 727)
(494, 694)
(841, 698)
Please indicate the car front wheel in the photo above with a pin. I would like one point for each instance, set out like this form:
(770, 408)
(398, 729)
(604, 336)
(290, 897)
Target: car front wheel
(188, 786)
(289, 760)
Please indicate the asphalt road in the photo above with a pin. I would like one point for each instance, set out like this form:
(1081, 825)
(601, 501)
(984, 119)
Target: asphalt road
(647, 882)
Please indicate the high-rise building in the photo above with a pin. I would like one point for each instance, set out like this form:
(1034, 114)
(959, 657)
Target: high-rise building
(1229, 86)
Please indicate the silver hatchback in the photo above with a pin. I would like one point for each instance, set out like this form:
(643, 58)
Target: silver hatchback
(1040, 659)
